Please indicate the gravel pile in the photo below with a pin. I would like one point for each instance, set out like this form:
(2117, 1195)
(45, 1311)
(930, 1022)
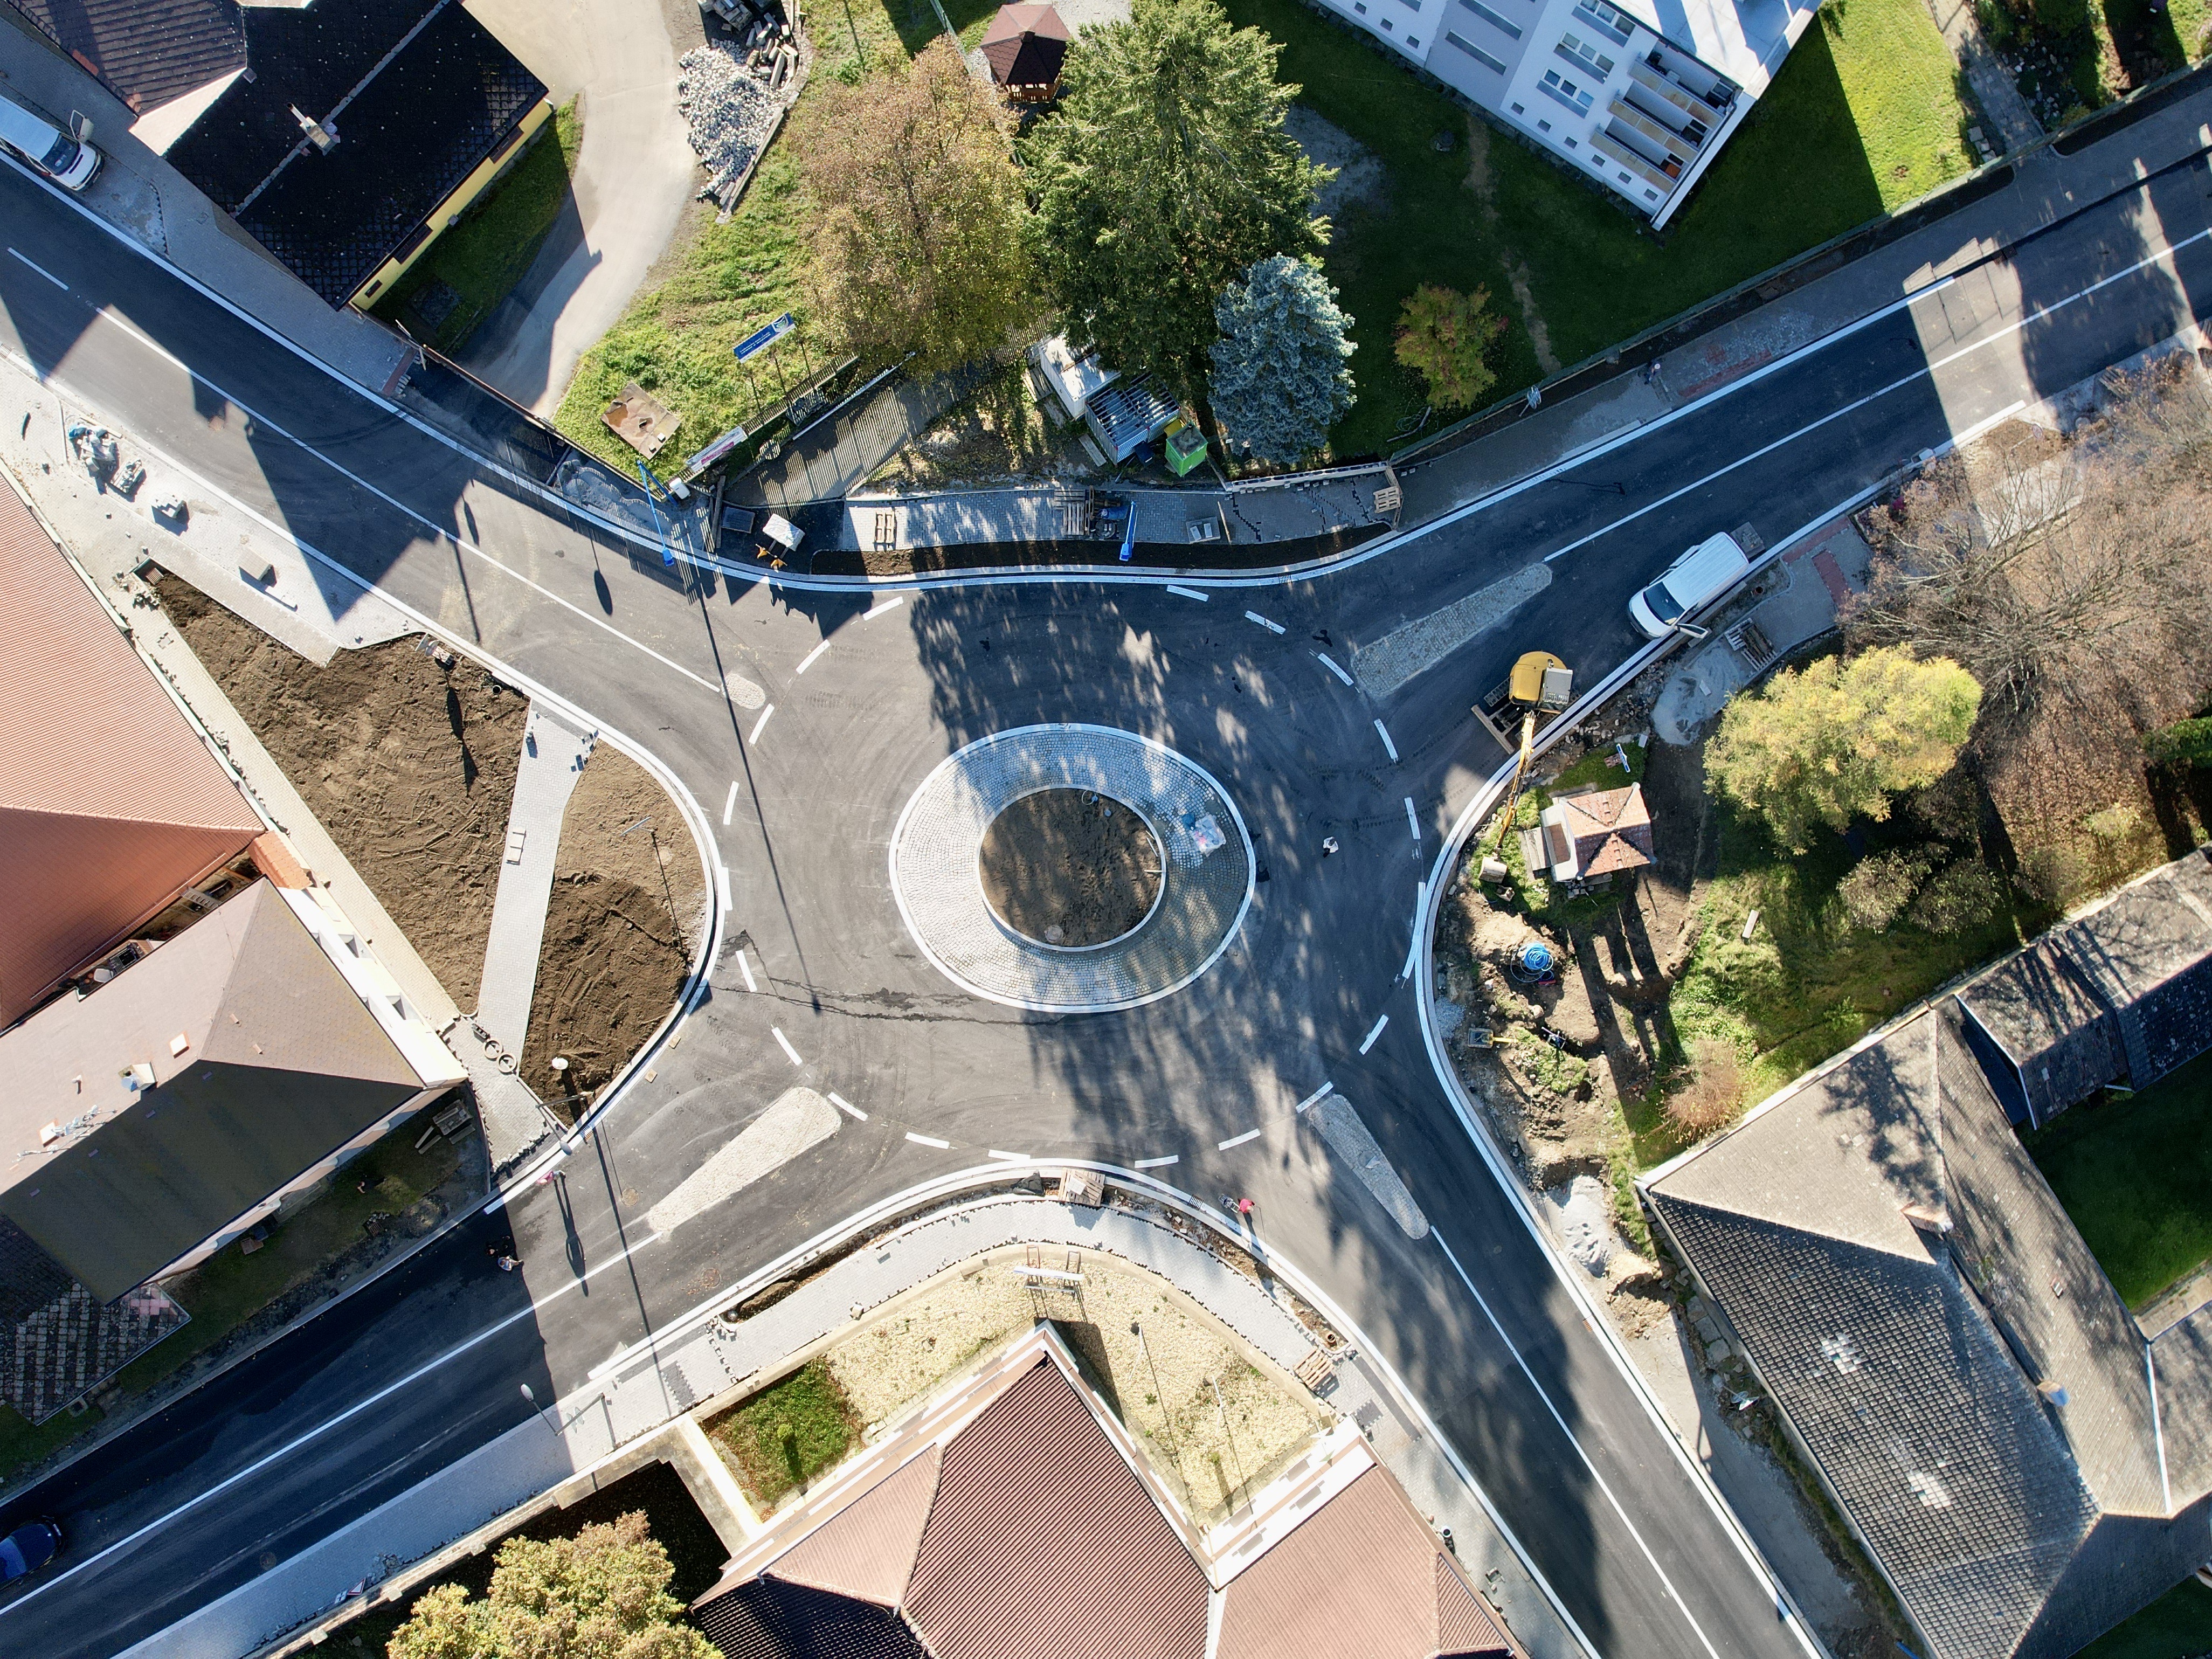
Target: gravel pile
(731, 116)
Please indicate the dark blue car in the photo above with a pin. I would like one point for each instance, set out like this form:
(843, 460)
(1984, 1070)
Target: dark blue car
(27, 1548)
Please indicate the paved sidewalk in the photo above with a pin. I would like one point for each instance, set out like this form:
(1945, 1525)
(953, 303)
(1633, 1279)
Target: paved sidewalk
(1994, 88)
(553, 758)
(835, 457)
(701, 1362)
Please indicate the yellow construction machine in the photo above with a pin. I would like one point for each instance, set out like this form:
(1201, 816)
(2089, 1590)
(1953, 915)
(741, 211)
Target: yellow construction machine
(1540, 686)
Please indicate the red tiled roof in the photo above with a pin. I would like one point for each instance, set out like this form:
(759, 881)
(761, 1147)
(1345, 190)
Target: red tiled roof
(1360, 1575)
(1611, 830)
(1025, 45)
(1043, 1538)
(867, 1550)
(109, 801)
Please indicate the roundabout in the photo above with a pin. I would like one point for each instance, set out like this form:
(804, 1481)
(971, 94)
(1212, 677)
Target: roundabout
(1015, 838)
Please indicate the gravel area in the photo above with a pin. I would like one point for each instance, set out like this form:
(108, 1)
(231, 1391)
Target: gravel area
(1161, 1381)
(731, 115)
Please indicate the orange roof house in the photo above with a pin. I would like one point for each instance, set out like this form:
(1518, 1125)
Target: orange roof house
(111, 804)
(1599, 833)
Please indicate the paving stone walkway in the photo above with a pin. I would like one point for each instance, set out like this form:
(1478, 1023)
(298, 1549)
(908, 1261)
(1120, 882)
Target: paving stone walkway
(553, 758)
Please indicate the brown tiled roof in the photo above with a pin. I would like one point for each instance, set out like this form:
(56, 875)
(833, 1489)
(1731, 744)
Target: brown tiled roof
(1360, 1575)
(109, 801)
(1043, 1539)
(1025, 45)
(264, 1062)
(867, 1550)
(1611, 830)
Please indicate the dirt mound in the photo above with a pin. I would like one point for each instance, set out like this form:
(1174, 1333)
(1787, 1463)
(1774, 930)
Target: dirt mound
(1070, 868)
(410, 767)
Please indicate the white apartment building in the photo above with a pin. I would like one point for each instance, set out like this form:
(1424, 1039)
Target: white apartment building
(1639, 94)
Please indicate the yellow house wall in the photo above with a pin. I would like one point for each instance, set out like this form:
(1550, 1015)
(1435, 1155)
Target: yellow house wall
(464, 193)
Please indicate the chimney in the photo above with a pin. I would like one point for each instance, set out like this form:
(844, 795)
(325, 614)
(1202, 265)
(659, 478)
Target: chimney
(323, 135)
(1929, 1219)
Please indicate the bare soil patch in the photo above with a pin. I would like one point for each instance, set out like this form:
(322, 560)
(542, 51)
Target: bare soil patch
(408, 764)
(620, 929)
(1070, 868)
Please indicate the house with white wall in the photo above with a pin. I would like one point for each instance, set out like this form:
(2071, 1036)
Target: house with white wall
(1639, 94)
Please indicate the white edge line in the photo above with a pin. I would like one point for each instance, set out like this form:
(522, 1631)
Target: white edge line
(1413, 821)
(760, 725)
(721, 884)
(1317, 1096)
(746, 968)
(1374, 1031)
(784, 1043)
(812, 658)
(1158, 1163)
(42, 270)
(1236, 1140)
(1188, 592)
(1272, 627)
(730, 805)
(1380, 730)
(892, 604)
(846, 1106)
(928, 1140)
(1330, 662)
(1420, 914)
(1010, 1158)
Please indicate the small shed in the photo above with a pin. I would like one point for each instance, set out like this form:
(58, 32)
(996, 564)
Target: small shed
(1025, 46)
(1595, 835)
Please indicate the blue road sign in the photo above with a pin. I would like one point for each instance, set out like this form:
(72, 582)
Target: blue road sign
(759, 341)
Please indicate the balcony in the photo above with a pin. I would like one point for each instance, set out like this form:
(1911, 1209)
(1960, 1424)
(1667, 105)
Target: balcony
(1621, 155)
(1664, 87)
(1666, 145)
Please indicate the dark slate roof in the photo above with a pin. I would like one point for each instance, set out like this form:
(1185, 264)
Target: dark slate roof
(2148, 952)
(146, 52)
(420, 94)
(281, 1066)
(2052, 1027)
(2181, 1359)
(768, 1619)
(1908, 1359)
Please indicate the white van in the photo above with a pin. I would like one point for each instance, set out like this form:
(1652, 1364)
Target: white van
(66, 161)
(1688, 583)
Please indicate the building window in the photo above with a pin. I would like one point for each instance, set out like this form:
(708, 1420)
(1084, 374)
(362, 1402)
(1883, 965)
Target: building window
(1650, 195)
(1387, 26)
(1492, 17)
(1543, 126)
(1566, 91)
(1452, 37)
(1607, 19)
(1357, 7)
(1581, 52)
(1413, 40)
(1520, 109)
(1570, 144)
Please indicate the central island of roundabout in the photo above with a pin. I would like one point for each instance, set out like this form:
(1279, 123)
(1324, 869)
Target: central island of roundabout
(1070, 869)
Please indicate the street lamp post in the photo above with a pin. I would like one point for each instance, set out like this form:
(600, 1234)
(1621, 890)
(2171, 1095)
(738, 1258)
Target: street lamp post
(542, 1411)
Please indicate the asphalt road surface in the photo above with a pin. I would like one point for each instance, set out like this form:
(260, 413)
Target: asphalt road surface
(803, 801)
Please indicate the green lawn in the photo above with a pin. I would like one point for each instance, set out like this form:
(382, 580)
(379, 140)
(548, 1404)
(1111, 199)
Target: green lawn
(2178, 1625)
(788, 1433)
(485, 256)
(1863, 117)
(2136, 1175)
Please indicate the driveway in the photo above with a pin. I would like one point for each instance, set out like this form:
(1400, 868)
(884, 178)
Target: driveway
(634, 178)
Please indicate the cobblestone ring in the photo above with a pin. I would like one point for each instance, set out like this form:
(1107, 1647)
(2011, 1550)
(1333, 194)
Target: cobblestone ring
(1206, 882)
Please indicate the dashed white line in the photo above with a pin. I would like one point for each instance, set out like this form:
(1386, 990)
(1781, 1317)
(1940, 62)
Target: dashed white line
(928, 1140)
(1376, 1031)
(722, 880)
(1413, 944)
(760, 725)
(1192, 594)
(1317, 1096)
(1413, 821)
(42, 271)
(892, 604)
(812, 657)
(1380, 730)
(1237, 1140)
(746, 968)
(846, 1106)
(730, 805)
(1330, 662)
(1010, 1157)
(1159, 1162)
(792, 1054)
(1272, 627)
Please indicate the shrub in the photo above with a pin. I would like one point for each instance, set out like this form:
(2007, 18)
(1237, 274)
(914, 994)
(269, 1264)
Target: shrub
(1444, 335)
(1710, 1098)
(2185, 743)
(1949, 809)
(1280, 374)
(1964, 894)
(1876, 890)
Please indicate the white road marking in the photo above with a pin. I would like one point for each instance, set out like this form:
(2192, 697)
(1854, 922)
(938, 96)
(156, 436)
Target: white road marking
(1413, 821)
(784, 1043)
(1317, 1096)
(1272, 627)
(1010, 1157)
(730, 805)
(1380, 730)
(1159, 1162)
(746, 968)
(1480, 1302)
(892, 604)
(1236, 1140)
(722, 881)
(1192, 594)
(1376, 1031)
(1414, 946)
(1330, 662)
(320, 1429)
(845, 1105)
(759, 725)
(808, 660)
(42, 271)
(928, 1140)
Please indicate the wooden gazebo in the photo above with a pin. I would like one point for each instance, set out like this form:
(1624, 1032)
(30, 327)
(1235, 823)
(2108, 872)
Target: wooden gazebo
(1025, 46)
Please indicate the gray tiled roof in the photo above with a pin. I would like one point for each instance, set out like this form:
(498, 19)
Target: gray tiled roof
(1907, 1360)
(2181, 1357)
(2148, 952)
(148, 52)
(2052, 1027)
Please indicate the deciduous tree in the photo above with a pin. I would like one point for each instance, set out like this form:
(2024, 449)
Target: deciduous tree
(1837, 740)
(1282, 372)
(1165, 172)
(601, 1595)
(1442, 336)
(919, 210)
